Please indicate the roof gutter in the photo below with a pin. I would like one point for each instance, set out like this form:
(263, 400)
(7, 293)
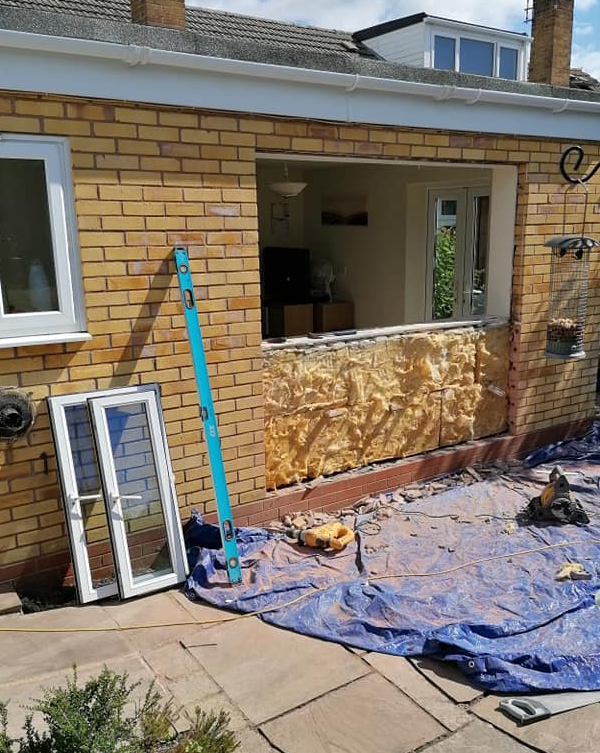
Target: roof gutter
(134, 55)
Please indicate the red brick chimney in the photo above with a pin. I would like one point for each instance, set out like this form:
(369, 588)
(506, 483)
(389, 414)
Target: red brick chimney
(167, 13)
(552, 29)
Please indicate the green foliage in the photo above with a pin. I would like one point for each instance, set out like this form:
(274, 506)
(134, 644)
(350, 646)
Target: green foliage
(443, 280)
(87, 719)
(5, 741)
(92, 719)
(209, 733)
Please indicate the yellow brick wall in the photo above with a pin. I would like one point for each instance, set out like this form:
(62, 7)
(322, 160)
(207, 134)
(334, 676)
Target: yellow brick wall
(149, 178)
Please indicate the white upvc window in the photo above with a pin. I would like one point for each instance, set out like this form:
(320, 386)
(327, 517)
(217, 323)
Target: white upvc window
(41, 296)
(477, 55)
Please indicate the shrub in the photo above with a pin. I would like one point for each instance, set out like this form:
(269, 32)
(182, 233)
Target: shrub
(443, 286)
(92, 719)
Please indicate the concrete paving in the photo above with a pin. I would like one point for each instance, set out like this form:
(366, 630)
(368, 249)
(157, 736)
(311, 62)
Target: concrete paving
(285, 692)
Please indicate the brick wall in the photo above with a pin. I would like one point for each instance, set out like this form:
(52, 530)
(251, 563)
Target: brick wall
(552, 31)
(147, 179)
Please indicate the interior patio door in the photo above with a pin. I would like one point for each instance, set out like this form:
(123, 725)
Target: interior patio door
(457, 253)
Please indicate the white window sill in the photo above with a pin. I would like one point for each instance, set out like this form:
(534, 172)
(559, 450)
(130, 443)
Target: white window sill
(380, 332)
(62, 337)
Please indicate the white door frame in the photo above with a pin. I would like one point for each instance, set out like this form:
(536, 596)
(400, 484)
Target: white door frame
(127, 585)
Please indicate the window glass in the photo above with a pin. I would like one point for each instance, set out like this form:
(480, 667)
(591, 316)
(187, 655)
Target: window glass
(481, 235)
(444, 258)
(443, 53)
(508, 63)
(27, 271)
(476, 57)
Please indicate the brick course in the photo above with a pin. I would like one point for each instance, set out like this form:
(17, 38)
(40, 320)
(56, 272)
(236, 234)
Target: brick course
(146, 179)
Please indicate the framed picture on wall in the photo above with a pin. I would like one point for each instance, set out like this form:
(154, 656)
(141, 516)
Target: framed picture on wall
(344, 210)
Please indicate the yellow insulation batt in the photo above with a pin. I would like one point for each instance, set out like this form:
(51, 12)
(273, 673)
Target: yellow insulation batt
(329, 408)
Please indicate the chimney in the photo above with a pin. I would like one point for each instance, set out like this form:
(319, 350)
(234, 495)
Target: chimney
(552, 29)
(166, 13)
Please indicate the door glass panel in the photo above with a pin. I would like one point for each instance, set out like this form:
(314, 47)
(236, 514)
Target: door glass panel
(27, 272)
(139, 491)
(476, 57)
(88, 484)
(481, 241)
(444, 258)
(443, 53)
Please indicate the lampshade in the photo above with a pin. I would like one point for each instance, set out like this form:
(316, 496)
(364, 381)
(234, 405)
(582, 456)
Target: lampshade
(287, 188)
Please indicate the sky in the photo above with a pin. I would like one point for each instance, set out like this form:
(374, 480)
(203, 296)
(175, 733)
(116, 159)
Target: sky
(351, 15)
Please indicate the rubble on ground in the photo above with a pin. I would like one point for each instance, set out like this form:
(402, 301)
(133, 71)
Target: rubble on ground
(380, 506)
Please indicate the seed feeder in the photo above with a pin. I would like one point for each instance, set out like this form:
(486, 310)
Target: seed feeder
(569, 276)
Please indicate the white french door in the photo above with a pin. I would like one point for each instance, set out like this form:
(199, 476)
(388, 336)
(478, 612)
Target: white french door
(119, 494)
(457, 253)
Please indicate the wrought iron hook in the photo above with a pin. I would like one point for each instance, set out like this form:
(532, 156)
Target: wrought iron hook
(579, 151)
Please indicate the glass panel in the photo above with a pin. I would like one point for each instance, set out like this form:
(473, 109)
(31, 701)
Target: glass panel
(481, 242)
(138, 487)
(444, 258)
(27, 274)
(476, 57)
(87, 479)
(508, 63)
(443, 53)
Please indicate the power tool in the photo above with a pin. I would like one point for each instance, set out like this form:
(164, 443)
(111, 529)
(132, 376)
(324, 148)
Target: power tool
(328, 536)
(556, 502)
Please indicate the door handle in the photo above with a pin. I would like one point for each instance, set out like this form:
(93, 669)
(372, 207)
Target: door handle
(75, 498)
(114, 498)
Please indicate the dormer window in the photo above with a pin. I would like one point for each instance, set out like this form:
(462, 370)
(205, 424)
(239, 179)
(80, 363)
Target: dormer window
(475, 56)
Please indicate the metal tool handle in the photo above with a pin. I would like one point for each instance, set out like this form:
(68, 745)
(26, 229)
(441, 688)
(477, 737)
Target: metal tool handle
(524, 710)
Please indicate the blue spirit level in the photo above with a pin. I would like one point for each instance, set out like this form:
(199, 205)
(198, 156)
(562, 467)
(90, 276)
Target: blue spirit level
(207, 411)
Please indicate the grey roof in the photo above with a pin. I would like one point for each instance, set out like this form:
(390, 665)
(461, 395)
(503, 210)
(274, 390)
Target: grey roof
(215, 23)
(417, 18)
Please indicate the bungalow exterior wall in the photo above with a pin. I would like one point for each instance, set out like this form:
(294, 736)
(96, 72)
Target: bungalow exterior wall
(148, 178)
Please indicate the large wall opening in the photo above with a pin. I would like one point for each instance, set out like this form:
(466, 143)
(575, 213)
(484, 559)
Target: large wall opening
(371, 245)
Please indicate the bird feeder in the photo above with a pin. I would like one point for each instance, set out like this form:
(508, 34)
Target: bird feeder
(569, 277)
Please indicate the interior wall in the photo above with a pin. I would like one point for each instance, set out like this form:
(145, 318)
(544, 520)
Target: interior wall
(368, 261)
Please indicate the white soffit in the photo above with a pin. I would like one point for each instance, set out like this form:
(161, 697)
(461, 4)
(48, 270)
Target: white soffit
(60, 65)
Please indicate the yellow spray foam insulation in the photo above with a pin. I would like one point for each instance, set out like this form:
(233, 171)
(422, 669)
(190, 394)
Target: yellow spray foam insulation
(329, 409)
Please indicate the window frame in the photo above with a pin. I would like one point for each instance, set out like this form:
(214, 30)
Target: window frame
(497, 45)
(40, 326)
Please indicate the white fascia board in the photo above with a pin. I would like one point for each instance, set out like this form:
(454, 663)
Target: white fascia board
(75, 67)
(474, 30)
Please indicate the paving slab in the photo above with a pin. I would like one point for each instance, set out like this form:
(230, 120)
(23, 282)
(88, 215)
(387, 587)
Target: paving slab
(400, 671)
(29, 655)
(574, 731)
(10, 603)
(478, 737)
(157, 609)
(448, 679)
(252, 741)
(200, 610)
(368, 715)
(220, 702)
(267, 671)
(21, 694)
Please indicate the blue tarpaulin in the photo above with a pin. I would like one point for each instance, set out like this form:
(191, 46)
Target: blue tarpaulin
(408, 586)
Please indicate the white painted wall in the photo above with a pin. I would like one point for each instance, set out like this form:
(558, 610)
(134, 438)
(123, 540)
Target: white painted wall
(368, 261)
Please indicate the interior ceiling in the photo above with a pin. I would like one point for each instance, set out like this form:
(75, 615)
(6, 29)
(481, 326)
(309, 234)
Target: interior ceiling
(412, 171)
